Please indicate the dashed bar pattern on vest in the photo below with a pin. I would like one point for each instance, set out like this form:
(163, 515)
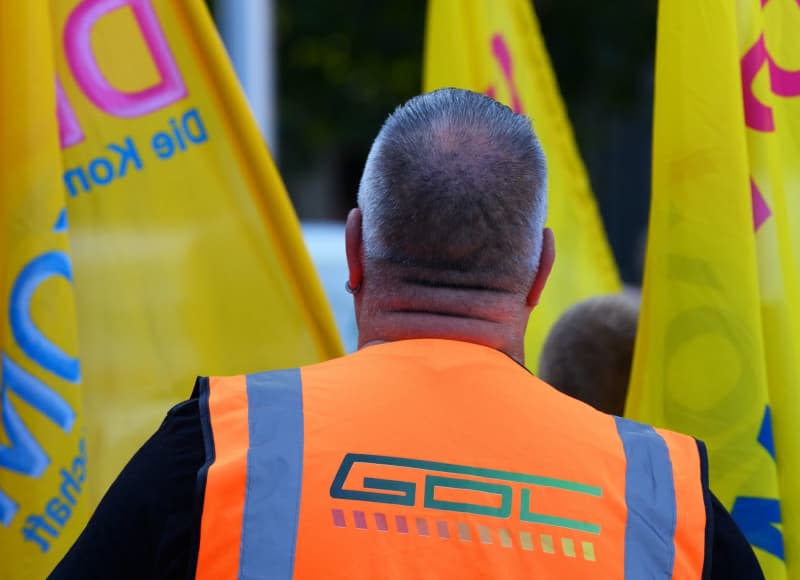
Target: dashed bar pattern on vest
(501, 537)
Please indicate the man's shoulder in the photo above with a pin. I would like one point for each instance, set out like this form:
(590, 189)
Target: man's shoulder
(146, 521)
(731, 555)
(185, 409)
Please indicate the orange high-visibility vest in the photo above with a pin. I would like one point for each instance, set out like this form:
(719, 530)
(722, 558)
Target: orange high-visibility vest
(438, 459)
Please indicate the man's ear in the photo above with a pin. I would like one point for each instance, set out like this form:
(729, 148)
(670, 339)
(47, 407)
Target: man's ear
(546, 260)
(352, 246)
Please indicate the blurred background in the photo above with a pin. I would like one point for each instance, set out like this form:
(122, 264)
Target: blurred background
(322, 76)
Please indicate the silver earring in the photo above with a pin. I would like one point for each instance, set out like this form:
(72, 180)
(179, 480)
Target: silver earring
(350, 289)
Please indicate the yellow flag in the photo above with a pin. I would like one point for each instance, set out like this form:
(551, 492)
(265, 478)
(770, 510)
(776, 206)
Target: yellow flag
(187, 255)
(43, 468)
(717, 349)
(770, 67)
(495, 47)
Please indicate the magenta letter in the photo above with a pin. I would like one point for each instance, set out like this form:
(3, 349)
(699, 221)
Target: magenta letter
(69, 130)
(503, 57)
(78, 46)
(785, 83)
(756, 114)
(761, 211)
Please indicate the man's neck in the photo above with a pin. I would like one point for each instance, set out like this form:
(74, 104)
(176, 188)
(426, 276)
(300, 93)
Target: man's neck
(411, 324)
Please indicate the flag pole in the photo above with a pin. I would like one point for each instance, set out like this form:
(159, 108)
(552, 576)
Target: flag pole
(248, 31)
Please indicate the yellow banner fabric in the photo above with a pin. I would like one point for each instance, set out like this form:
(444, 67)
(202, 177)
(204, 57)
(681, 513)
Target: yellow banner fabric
(43, 468)
(187, 254)
(717, 349)
(495, 47)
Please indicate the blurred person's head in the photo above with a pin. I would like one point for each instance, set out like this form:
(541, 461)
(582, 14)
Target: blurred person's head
(448, 240)
(589, 351)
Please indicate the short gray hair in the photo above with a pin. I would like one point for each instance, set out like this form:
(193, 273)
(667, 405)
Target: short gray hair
(454, 185)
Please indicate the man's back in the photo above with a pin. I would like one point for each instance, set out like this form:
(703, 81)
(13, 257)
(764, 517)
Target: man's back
(441, 459)
(415, 458)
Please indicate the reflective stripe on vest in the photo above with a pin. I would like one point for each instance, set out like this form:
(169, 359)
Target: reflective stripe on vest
(257, 424)
(335, 471)
(665, 513)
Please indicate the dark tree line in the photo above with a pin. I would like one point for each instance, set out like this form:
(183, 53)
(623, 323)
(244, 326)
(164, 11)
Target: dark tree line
(343, 66)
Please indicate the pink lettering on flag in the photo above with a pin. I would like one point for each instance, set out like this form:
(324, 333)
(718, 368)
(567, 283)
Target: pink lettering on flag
(764, 2)
(69, 130)
(503, 56)
(78, 47)
(756, 114)
(761, 211)
(785, 83)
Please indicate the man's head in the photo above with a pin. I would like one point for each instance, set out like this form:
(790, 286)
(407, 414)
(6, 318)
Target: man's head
(589, 351)
(450, 234)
